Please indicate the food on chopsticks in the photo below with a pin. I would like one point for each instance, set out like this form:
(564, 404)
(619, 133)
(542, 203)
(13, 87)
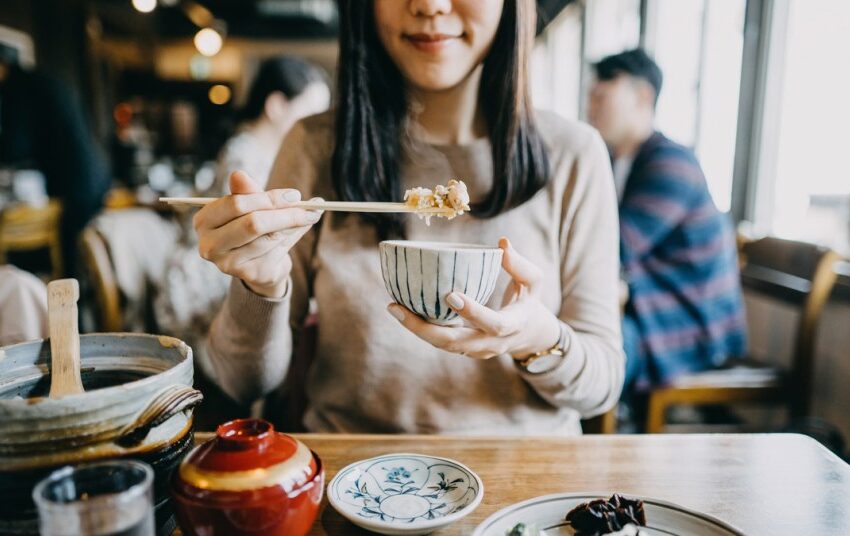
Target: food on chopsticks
(617, 515)
(453, 197)
(447, 201)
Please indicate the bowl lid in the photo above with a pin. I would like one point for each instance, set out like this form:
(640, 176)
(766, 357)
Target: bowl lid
(247, 454)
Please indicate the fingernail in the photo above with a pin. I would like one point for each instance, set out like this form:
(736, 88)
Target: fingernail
(455, 301)
(291, 196)
(397, 313)
(313, 216)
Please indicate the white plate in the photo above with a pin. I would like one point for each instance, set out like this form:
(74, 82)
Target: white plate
(405, 494)
(547, 513)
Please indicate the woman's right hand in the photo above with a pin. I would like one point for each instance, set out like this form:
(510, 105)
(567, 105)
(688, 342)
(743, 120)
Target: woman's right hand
(249, 233)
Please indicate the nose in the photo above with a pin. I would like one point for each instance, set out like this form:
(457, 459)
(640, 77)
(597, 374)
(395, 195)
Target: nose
(430, 8)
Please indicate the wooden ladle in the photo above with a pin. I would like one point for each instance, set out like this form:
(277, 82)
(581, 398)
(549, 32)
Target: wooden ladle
(62, 296)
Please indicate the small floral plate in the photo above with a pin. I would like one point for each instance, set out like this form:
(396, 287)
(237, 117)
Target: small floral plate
(405, 494)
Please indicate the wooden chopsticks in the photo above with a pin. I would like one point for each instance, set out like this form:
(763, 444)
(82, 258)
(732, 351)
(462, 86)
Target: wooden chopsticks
(333, 206)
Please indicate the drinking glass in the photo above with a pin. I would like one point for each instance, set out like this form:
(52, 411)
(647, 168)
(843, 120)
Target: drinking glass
(100, 499)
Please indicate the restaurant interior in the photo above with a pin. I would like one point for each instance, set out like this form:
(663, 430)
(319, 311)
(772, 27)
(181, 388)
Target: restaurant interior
(127, 338)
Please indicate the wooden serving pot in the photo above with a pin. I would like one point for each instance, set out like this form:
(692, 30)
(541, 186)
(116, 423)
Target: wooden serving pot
(137, 404)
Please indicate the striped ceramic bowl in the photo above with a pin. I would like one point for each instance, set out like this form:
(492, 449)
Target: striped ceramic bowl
(419, 275)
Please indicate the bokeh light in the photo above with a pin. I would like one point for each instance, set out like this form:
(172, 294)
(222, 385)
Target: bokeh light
(219, 94)
(145, 6)
(208, 41)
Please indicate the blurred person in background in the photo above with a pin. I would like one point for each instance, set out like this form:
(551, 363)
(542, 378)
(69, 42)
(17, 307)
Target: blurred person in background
(42, 127)
(23, 306)
(285, 90)
(677, 250)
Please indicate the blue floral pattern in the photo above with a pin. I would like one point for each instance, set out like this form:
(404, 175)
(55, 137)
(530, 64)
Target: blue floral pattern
(404, 489)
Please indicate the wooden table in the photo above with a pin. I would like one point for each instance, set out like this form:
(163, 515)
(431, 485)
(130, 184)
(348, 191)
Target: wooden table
(763, 484)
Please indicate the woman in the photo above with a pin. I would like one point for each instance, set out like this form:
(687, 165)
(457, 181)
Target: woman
(429, 90)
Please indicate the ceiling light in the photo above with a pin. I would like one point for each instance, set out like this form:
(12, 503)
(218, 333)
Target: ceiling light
(145, 6)
(208, 41)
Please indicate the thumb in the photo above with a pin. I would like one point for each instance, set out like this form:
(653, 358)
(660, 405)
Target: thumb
(241, 183)
(522, 270)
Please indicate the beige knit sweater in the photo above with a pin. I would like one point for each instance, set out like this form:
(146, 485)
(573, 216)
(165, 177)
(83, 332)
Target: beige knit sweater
(369, 374)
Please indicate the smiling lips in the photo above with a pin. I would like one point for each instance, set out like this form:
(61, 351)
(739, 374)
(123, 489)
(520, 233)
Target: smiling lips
(430, 42)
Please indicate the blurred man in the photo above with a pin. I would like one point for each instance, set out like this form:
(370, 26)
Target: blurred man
(678, 255)
(42, 127)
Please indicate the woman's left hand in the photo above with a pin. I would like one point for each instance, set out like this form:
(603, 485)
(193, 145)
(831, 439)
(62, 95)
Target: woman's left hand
(521, 327)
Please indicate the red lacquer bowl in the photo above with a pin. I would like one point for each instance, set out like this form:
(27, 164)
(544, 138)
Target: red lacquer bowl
(248, 480)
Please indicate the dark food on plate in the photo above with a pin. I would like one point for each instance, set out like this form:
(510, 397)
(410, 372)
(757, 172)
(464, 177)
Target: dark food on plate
(603, 516)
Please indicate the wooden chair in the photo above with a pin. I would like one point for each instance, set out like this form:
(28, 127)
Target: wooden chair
(793, 273)
(99, 267)
(741, 240)
(26, 228)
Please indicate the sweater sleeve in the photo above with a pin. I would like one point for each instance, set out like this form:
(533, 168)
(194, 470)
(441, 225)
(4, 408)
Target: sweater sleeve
(590, 377)
(251, 338)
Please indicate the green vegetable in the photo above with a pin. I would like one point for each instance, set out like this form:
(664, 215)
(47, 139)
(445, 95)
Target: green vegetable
(521, 529)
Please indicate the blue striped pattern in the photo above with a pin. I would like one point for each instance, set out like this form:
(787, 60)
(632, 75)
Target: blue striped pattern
(420, 278)
(679, 257)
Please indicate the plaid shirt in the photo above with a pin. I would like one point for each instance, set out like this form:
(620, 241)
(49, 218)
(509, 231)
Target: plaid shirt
(679, 258)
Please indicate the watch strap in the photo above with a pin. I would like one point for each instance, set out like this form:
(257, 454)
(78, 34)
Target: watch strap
(558, 350)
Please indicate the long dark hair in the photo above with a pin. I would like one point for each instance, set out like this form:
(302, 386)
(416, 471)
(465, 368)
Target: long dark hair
(372, 108)
(288, 74)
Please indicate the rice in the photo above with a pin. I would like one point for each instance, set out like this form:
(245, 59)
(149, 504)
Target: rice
(454, 197)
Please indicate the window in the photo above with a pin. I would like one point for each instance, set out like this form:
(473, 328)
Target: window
(556, 65)
(611, 26)
(720, 82)
(795, 166)
(560, 61)
(811, 189)
(699, 44)
(676, 44)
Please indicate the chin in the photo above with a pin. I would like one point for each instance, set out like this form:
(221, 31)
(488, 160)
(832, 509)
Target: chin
(433, 86)
(435, 80)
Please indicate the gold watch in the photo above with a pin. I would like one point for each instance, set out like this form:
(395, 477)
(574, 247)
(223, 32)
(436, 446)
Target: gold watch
(546, 360)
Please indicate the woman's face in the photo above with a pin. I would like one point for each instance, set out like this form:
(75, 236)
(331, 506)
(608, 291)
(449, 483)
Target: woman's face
(437, 43)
